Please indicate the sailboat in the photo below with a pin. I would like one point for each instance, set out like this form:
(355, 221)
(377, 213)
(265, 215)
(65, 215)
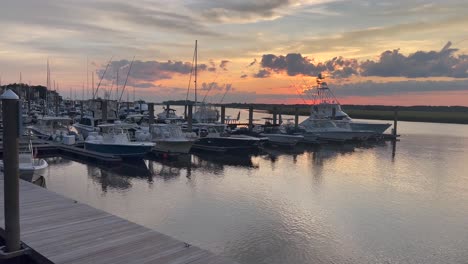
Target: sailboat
(213, 136)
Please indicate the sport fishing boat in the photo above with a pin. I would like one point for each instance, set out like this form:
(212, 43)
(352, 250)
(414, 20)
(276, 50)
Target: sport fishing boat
(213, 137)
(169, 138)
(327, 130)
(115, 140)
(28, 164)
(326, 106)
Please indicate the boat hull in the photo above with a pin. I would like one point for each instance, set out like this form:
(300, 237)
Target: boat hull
(173, 146)
(377, 128)
(227, 144)
(129, 151)
(341, 136)
(283, 139)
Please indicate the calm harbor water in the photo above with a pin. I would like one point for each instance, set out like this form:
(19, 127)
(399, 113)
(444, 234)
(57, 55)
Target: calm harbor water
(369, 203)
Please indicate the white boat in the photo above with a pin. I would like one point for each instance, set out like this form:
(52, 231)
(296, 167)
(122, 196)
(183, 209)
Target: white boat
(277, 135)
(115, 140)
(51, 127)
(205, 114)
(169, 138)
(168, 114)
(93, 116)
(326, 106)
(28, 165)
(140, 106)
(327, 130)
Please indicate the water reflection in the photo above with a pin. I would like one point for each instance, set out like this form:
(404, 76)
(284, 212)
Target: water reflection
(336, 203)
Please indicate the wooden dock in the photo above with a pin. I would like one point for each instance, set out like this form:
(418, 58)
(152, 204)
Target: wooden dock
(61, 230)
(45, 147)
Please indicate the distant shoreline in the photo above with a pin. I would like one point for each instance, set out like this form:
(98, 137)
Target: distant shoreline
(431, 114)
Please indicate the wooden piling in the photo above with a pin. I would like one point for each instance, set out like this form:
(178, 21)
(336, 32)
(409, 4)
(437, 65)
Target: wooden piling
(223, 114)
(167, 110)
(275, 115)
(250, 118)
(189, 117)
(151, 113)
(395, 121)
(296, 117)
(10, 110)
(104, 111)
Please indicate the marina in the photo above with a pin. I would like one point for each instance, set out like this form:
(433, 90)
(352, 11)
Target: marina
(224, 132)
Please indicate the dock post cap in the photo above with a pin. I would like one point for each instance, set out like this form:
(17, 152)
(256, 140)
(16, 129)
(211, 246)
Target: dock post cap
(9, 95)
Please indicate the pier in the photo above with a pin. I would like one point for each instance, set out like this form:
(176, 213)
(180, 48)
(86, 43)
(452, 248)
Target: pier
(61, 230)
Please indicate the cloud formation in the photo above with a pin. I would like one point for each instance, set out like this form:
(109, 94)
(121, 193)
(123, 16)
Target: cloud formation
(147, 71)
(443, 63)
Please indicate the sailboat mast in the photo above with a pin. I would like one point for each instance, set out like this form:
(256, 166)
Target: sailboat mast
(87, 77)
(196, 69)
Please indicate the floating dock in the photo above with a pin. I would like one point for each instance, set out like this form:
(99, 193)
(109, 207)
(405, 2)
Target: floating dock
(61, 230)
(44, 147)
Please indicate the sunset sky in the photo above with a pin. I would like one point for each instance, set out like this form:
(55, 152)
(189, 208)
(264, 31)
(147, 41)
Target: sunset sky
(371, 52)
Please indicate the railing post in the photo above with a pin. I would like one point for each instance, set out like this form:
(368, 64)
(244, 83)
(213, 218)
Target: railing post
(11, 117)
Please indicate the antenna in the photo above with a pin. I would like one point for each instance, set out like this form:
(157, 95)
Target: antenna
(126, 79)
(102, 77)
(196, 69)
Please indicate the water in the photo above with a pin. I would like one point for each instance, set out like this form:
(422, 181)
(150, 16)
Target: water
(331, 204)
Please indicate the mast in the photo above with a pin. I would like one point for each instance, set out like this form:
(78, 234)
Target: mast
(92, 83)
(196, 68)
(87, 78)
(117, 85)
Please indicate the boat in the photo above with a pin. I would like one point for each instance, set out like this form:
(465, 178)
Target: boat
(28, 164)
(213, 137)
(93, 117)
(327, 106)
(140, 106)
(205, 113)
(168, 114)
(51, 127)
(327, 130)
(114, 139)
(277, 135)
(169, 138)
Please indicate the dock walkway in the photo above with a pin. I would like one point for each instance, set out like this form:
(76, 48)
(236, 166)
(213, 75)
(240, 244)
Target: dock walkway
(61, 230)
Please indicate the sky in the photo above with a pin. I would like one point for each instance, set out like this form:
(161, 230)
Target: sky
(388, 52)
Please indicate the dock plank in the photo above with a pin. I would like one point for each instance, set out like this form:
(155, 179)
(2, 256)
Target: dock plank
(62, 230)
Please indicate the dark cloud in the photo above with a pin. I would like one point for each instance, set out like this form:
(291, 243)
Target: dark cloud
(443, 63)
(223, 64)
(144, 85)
(419, 64)
(214, 86)
(241, 10)
(262, 74)
(243, 76)
(252, 63)
(147, 71)
(212, 67)
(295, 64)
